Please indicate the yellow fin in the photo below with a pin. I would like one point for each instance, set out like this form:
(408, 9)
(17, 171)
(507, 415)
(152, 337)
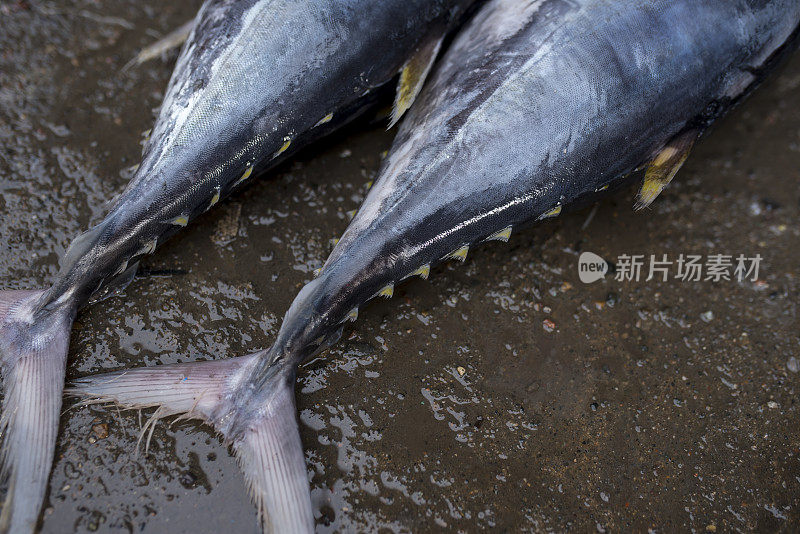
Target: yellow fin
(503, 235)
(353, 315)
(555, 212)
(422, 272)
(183, 220)
(214, 199)
(327, 118)
(413, 75)
(459, 254)
(287, 142)
(664, 166)
(247, 172)
(387, 291)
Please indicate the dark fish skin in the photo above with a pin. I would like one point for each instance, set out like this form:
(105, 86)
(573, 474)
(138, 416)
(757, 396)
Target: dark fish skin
(256, 80)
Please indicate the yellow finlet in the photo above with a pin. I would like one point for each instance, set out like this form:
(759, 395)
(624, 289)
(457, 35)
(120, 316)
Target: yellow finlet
(459, 254)
(326, 119)
(353, 315)
(555, 212)
(247, 172)
(664, 167)
(602, 188)
(503, 235)
(369, 185)
(387, 291)
(413, 76)
(183, 220)
(287, 142)
(422, 272)
(317, 272)
(350, 214)
(649, 191)
(214, 199)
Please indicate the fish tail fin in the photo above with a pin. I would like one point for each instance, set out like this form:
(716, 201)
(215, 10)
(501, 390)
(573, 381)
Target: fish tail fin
(33, 354)
(266, 440)
(271, 457)
(192, 390)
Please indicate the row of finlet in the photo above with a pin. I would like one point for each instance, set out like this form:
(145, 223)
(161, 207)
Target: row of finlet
(460, 254)
(183, 219)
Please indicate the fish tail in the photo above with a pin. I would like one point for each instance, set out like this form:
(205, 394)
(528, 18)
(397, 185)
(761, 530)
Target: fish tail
(33, 354)
(271, 457)
(266, 440)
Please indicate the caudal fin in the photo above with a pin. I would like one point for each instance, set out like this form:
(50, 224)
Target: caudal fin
(268, 450)
(33, 354)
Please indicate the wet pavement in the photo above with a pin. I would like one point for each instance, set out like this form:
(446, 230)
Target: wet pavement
(502, 394)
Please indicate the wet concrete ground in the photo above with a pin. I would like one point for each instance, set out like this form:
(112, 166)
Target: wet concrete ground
(502, 394)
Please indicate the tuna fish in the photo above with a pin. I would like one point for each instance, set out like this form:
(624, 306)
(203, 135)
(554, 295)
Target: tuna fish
(537, 106)
(256, 80)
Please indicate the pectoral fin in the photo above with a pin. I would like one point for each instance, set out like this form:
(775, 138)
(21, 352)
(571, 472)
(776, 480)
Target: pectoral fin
(664, 167)
(413, 75)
